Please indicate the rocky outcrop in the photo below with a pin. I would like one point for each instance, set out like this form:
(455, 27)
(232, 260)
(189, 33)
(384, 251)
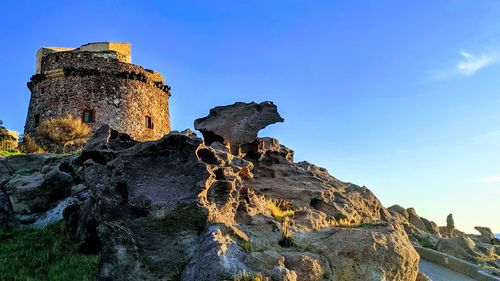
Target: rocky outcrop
(414, 225)
(237, 124)
(486, 234)
(36, 192)
(478, 249)
(460, 247)
(357, 253)
(34, 189)
(183, 208)
(450, 224)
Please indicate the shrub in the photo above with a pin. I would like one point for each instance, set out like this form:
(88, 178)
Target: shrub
(286, 240)
(28, 145)
(62, 132)
(43, 254)
(4, 135)
(280, 210)
(7, 142)
(247, 246)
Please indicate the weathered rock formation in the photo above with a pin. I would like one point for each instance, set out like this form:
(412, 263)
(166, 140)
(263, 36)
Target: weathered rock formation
(486, 234)
(181, 208)
(480, 249)
(237, 124)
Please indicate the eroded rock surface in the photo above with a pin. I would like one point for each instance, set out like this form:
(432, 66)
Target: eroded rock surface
(179, 208)
(486, 234)
(237, 124)
(183, 208)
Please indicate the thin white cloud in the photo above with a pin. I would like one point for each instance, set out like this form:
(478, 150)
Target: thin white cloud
(492, 179)
(470, 63)
(467, 65)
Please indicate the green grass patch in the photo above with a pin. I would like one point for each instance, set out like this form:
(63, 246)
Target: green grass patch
(245, 276)
(43, 254)
(10, 152)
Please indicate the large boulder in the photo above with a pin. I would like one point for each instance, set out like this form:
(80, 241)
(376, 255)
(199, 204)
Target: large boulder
(237, 124)
(34, 188)
(486, 235)
(37, 192)
(431, 226)
(461, 247)
(366, 253)
(415, 219)
(399, 210)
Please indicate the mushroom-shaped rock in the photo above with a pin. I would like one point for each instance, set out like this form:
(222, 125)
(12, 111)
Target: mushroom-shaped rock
(237, 124)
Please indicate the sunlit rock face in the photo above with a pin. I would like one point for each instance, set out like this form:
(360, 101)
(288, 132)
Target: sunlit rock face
(183, 208)
(482, 249)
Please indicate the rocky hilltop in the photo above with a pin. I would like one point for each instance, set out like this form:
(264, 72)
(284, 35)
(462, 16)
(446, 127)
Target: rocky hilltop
(224, 207)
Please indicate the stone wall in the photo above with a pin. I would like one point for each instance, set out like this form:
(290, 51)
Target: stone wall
(455, 264)
(106, 61)
(119, 94)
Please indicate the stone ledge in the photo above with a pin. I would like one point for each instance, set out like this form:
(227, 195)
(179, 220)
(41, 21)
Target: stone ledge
(455, 264)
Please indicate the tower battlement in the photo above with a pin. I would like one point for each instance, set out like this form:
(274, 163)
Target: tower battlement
(122, 50)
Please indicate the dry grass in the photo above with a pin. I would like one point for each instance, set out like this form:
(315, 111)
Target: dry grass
(280, 210)
(66, 130)
(348, 224)
(28, 145)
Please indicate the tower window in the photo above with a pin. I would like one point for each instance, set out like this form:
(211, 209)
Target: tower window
(88, 116)
(37, 120)
(149, 122)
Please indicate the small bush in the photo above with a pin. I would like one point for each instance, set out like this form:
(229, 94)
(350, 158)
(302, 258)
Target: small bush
(28, 145)
(247, 246)
(43, 254)
(7, 141)
(4, 134)
(59, 133)
(280, 210)
(286, 240)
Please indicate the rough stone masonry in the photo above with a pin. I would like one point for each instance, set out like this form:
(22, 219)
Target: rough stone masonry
(97, 83)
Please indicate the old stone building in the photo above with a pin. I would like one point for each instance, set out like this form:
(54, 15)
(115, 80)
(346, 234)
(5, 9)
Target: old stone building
(98, 83)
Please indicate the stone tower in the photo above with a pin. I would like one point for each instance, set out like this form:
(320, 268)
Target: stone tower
(98, 83)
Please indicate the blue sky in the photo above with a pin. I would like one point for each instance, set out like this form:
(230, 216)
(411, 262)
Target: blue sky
(400, 96)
